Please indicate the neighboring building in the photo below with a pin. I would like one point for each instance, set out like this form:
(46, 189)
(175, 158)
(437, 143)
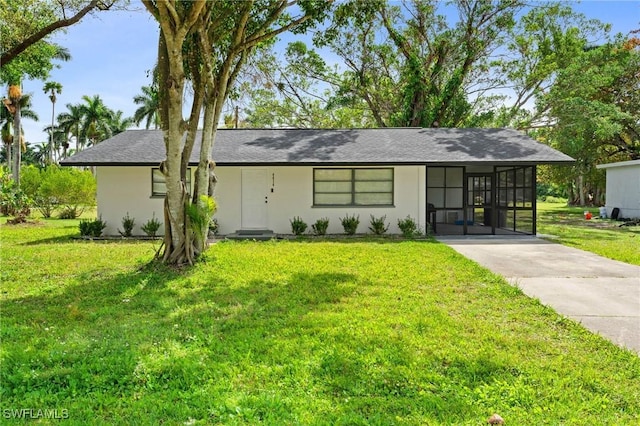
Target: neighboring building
(462, 181)
(623, 188)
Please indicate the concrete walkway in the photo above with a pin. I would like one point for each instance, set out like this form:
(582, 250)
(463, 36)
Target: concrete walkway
(602, 294)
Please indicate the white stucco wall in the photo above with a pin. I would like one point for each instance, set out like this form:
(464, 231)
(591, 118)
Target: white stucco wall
(123, 190)
(623, 188)
(293, 196)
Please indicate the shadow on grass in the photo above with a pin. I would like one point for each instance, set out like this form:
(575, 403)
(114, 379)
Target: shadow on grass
(112, 336)
(76, 239)
(157, 337)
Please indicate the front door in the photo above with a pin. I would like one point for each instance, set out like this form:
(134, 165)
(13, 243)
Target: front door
(479, 204)
(254, 199)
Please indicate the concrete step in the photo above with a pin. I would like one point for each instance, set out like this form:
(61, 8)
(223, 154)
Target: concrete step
(252, 234)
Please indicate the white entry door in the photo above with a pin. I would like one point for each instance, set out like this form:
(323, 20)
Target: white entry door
(254, 198)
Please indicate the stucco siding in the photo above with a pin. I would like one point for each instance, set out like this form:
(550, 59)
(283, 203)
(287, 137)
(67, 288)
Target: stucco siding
(123, 190)
(289, 193)
(623, 190)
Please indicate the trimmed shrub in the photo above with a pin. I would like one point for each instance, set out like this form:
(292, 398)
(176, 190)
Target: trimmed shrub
(127, 224)
(408, 227)
(298, 226)
(151, 226)
(350, 224)
(320, 227)
(378, 225)
(92, 228)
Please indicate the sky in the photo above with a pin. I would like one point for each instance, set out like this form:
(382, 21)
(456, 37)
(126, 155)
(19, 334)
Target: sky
(113, 53)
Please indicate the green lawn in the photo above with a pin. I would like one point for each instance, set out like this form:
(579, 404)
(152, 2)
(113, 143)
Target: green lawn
(321, 333)
(568, 226)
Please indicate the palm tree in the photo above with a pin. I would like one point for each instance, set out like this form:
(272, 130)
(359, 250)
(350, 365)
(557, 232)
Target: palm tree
(57, 139)
(97, 119)
(52, 88)
(71, 123)
(149, 104)
(36, 154)
(6, 124)
(118, 124)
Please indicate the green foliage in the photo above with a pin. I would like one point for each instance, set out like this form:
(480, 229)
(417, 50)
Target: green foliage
(320, 226)
(127, 225)
(544, 190)
(54, 187)
(377, 225)
(408, 227)
(92, 228)
(13, 200)
(350, 224)
(298, 226)
(200, 216)
(552, 199)
(357, 333)
(30, 180)
(151, 226)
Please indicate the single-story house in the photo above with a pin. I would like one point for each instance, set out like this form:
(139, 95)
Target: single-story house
(623, 188)
(458, 181)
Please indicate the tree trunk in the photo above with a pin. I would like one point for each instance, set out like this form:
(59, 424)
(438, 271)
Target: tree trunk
(581, 192)
(17, 143)
(177, 247)
(53, 111)
(9, 153)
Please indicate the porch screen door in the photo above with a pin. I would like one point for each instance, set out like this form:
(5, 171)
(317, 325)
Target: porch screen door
(480, 211)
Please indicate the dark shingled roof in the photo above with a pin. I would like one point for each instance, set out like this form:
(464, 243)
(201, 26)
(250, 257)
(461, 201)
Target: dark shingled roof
(346, 146)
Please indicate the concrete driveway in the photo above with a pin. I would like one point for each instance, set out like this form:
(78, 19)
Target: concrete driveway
(602, 294)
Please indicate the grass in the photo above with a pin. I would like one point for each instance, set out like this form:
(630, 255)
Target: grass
(604, 237)
(373, 332)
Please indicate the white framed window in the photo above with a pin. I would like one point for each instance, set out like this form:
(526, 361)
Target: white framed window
(158, 186)
(353, 187)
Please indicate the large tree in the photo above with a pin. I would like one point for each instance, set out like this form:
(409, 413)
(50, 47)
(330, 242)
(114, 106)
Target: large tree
(433, 63)
(593, 112)
(294, 89)
(207, 42)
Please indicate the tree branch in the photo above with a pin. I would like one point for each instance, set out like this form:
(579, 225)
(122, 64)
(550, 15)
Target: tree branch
(12, 53)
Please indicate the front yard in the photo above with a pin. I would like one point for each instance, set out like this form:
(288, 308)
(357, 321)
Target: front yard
(370, 332)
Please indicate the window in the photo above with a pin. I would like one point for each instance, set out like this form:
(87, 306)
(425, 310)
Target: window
(158, 187)
(353, 187)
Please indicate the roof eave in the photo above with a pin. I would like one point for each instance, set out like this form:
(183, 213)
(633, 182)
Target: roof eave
(320, 163)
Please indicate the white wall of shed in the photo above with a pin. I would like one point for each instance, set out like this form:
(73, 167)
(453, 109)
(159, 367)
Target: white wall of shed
(623, 190)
